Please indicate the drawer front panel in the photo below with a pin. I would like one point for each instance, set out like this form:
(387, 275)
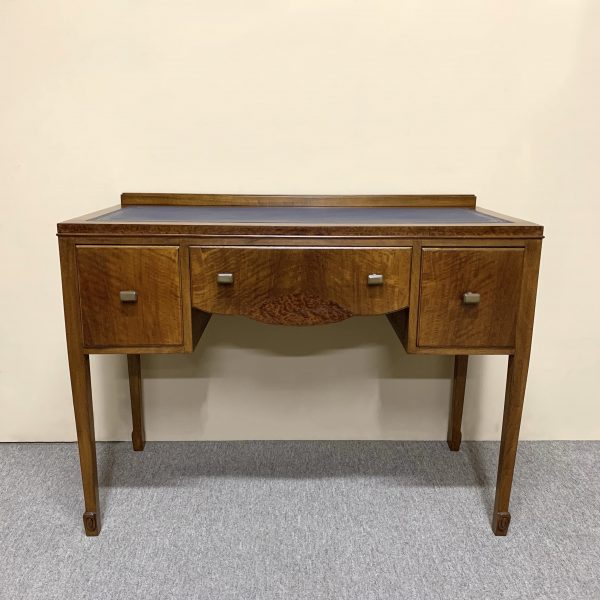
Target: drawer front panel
(300, 286)
(130, 295)
(469, 297)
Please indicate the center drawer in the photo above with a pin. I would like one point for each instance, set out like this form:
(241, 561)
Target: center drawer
(300, 286)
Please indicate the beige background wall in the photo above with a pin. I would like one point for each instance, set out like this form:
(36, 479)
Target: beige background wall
(500, 99)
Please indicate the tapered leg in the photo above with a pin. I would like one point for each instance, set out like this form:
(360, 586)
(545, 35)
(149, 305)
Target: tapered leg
(135, 389)
(79, 366)
(513, 410)
(516, 381)
(458, 397)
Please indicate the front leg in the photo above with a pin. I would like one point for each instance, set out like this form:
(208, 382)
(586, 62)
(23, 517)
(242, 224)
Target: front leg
(79, 365)
(513, 410)
(81, 387)
(516, 380)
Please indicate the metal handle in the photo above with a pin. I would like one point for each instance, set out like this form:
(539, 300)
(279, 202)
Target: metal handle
(128, 295)
(225, 278)
(471, 298)
(375, 279)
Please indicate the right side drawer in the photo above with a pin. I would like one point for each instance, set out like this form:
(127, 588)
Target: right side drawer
(469, 297)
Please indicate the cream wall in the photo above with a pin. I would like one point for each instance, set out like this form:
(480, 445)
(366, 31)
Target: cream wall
(501, 99)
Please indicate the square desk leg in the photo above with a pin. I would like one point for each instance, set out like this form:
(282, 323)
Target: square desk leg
(135, 389)
(516, 380)
(513, 410)
(79, 367)
(458, 398)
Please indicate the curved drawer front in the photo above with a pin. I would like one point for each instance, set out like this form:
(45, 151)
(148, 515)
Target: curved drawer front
(300, 286)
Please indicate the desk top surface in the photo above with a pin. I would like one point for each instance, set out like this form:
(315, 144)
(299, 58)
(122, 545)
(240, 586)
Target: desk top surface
(352, 216)
(309, 215)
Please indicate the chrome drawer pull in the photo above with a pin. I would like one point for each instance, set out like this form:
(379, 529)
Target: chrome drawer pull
(225, 278)
(471, 298)
(128, 295)
(375, 279)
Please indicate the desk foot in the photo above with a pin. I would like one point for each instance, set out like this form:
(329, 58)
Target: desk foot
(500, 523)
(454, 442)
(91, 523)
(138, 441)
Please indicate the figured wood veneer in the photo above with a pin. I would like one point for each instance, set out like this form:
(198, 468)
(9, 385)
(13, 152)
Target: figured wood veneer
(300, 286)
(447, 274)
(153, 272)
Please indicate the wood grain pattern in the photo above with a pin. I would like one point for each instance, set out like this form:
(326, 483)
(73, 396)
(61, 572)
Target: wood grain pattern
(298, 309)
(283, 285)
(365, 241)
(400, 322)
(148, 230)
(446, 274)
(153, 272)
(460, 200)
(81, 386)
(134, 369)
(459, 382)
(516, 381)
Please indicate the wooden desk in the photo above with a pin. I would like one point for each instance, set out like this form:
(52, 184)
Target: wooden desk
(451, 278)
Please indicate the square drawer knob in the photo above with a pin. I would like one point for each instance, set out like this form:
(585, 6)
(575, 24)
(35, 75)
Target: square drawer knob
(128, 296)
(375, 279)
(471, 298)
(225, 278)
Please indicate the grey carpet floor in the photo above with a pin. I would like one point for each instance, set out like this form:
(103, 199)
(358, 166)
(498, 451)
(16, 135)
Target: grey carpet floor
(300, 520)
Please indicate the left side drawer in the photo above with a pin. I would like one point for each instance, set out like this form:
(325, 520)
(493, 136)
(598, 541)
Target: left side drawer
(149, 314)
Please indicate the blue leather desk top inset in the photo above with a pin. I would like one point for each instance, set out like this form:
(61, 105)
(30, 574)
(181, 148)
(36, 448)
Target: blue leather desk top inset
(334, 215)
